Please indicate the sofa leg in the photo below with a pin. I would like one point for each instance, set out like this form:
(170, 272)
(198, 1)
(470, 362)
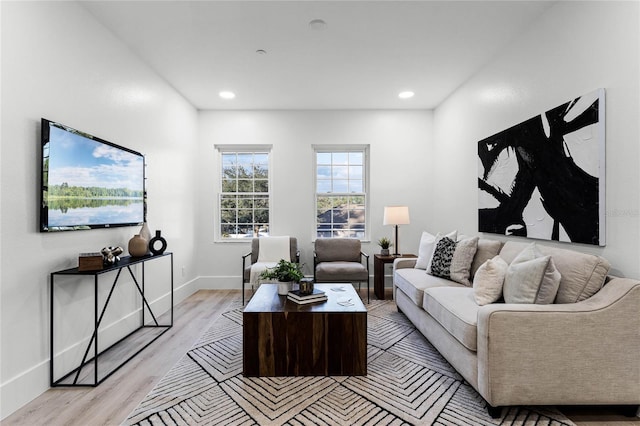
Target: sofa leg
(494, 412)
(630, 410)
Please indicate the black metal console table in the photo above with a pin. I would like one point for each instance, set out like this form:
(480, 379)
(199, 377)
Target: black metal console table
(74, 378)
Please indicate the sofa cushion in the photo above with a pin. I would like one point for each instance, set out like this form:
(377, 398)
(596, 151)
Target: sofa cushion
(413, 282)
(453, 235)
(531, 278)
(452, 259)
(487, 284)
(427, 246)
(582, 274)
(462, 258)
(487, 249)
(425, 250)
(442, 257)
(337, 249)
(348, 271)
(456, 310)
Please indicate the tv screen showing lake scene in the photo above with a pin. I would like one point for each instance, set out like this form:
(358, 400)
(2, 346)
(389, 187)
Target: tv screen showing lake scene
(88, 182)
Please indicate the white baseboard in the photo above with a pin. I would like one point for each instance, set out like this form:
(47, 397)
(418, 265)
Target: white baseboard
(28, 385)
(219, 283)
(23, 388)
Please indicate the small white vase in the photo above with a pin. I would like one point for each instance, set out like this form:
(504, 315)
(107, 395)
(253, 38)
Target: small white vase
(146, 234)
(284, 288)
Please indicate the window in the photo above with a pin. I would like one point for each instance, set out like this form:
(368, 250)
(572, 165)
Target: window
(244, 192)
(341, 191)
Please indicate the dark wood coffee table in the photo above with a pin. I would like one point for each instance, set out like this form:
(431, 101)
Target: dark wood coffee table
(282, 338)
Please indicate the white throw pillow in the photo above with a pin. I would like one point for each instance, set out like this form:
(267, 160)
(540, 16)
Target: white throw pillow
(272, 249)
(425, 250)
(453, 235)
(488, 281)
(531, 278)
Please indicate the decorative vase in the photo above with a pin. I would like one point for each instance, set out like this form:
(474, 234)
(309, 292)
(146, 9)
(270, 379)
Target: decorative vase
(157, 239)
(284, 288)
(146, 234)
(138, 246)
(384, 252)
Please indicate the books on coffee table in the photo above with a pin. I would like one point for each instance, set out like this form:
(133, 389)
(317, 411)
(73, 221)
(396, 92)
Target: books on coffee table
(316, 296)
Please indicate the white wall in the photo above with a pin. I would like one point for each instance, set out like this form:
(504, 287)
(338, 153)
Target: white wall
(574, 48)
(59, 63)
(400, 152)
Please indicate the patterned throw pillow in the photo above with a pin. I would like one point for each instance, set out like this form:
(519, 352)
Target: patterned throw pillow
(428, 257)
(442, 256)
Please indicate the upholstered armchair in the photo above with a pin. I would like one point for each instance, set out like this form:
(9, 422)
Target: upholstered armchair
(340, 260)
(257, 262)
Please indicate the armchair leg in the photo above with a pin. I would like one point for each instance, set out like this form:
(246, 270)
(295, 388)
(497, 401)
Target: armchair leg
(368, 291)
(494, 412)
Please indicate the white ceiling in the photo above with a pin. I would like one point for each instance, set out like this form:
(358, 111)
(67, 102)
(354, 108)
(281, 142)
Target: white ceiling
(368, 52)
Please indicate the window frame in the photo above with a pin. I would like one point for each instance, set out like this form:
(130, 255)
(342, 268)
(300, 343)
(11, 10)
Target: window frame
(343, 148)
(220, 150)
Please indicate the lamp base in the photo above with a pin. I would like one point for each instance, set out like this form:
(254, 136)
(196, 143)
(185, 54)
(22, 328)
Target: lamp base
(396, 243)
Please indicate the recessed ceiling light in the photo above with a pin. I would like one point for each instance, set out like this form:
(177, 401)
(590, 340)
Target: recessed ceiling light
(227, 95)
(406, 95)
(318, 24)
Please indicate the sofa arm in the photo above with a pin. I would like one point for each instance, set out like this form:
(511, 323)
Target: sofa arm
(404, 262)
(580, 353)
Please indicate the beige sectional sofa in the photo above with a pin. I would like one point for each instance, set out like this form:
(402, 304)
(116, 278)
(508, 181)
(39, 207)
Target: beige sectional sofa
(585, 350)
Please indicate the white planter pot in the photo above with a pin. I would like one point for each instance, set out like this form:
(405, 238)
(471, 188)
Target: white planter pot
(284, 288)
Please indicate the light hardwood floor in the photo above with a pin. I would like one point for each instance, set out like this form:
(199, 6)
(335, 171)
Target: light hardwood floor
(116, 397)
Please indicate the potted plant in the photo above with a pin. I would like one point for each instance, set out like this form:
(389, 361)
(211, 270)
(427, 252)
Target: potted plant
(384, 244)
(286, 273)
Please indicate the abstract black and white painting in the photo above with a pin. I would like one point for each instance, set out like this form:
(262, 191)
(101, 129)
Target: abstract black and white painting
(544, 178)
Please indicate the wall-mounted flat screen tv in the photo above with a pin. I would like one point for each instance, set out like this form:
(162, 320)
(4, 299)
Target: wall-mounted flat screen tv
(87, 182)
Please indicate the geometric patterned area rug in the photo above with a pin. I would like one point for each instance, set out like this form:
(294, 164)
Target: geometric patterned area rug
(408, 383)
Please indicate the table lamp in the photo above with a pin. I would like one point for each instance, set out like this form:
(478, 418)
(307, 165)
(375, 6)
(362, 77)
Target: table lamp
(396, 215)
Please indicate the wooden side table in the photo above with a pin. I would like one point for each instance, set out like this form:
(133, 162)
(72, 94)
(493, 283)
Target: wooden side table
(378, 271)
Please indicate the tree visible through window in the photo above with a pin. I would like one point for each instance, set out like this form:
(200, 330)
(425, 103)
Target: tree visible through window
(341, 193)
(244, 194)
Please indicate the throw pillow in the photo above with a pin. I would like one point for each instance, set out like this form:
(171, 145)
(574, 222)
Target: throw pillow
(487, 249)
(272, 249)
(460, 269)
(488, 281)
(453, 235)
(442, 257)
(425, 250)
(531, 278)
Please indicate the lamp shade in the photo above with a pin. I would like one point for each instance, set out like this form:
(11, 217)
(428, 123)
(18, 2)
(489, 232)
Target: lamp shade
(396, 215)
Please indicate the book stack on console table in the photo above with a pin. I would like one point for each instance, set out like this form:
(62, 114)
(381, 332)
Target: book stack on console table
(303, 299)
